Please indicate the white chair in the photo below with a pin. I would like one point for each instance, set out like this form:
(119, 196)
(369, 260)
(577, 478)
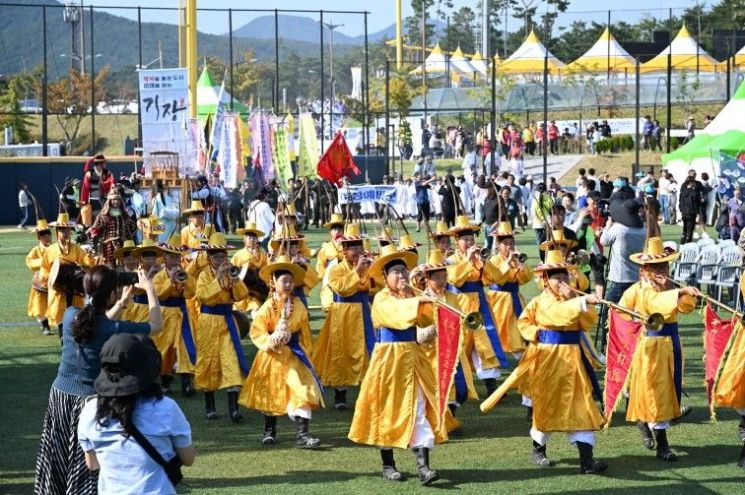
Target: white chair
(727, 243)
(687, 264)
(730, 267)
(708, 265)
(708, 241)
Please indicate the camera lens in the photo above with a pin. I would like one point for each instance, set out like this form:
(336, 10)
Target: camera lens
(124, 279)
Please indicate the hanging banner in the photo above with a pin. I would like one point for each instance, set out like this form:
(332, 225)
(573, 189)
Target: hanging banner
(356, 83)
(229, 157)
(164, 111)
(717, 333)
(623, 336)
(308, 153)
(265, 152)
(448, 345)
(358, 194)
(282, 158)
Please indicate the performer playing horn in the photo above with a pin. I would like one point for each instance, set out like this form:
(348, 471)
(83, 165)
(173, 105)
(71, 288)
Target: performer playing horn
(37, 296)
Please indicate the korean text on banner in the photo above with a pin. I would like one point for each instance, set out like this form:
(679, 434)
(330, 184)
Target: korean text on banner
(358, 194)
(230, 151)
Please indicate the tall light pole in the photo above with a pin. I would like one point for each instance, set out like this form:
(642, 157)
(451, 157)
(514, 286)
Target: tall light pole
(71, 15)
(331, 26)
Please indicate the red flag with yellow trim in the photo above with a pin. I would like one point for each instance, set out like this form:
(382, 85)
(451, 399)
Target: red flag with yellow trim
(448, 344)
(717, 332)
(337, 161)
(623, 336)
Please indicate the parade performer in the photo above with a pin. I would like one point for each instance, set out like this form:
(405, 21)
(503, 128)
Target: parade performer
(558, 240)
(166, 209)
(282, 379)
(467, 275)
(123, 256)
(656, 373)
(251, 257)
(37, 296)
(441, 237)
(328, 253)
(65, 251)
(210, 196)
(196, 232)
(176, 342)
(342, 350)
(221, 363)
(288, 242)
(112, 227)
(97, 181)
(147, 255)
(397, 406)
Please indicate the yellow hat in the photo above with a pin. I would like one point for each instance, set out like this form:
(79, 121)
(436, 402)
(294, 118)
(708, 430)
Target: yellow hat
(336, 221)
(288, 210)
(173, 245)
(387, 235)
(217, 242)
(435, 261)
(282, 263)
(554, 260)
(151, 225)
(41, 226)
(62, 222)
(287, 234)
(351, 233)
(464, 226)
(196, 207)
(557, 239)
(505, 230)
(389, 253)
(407, 243)
(250, 229)
(655, 252)
(441, 230)
(127, 248)
(147, 245)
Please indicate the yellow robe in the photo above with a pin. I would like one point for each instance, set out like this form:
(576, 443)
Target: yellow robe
(502, 303)
(461, 271)
(169, 341)
(56, 301)
(255, 260)
(192, 236)
(730, 386)
(560, 386)
(326, 254)
(278, 381)
(340, 352)
(386, 407)
(138, 310)
(652, 393)
(37, 300)
(217, 362)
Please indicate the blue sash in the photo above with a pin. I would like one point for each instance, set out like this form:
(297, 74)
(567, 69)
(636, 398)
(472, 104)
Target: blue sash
(364, 299)
(391, 336)
(298, 351)
(572, 337)
(485, 310)
(514, 289)
(179, 302)
(461, 388)
(226, 311)
(140, 299)
(300, 292)
(671, 330)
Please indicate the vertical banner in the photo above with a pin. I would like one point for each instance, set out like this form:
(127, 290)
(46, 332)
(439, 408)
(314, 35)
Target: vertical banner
(164, 108)
(282, 160)
(717, 333)
(623, 336)
(308, 153)
(265, 153)
(229, 157)
(448, 344)
(356, 83)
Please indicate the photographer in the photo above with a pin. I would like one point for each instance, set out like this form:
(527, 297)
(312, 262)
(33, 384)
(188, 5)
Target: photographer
(589, 226)
(691, 198)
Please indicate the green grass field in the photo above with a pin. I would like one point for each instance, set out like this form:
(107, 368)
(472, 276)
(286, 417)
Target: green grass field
(491, 454)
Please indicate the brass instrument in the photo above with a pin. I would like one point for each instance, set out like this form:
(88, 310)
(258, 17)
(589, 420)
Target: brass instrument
(485, 253)
(180, 275)
(449, 252)
(473, 321)
(234, 272)
(655, 321)
(711, 300)
(521, 257)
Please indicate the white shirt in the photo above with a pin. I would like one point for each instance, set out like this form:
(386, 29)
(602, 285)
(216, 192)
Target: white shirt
(664, 184)
(261, 214)
(23, 199)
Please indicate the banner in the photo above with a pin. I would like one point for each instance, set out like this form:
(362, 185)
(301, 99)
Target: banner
(337, 162)
(164, 110)
(230, 154)
(282, 155)
(217, 128)
(356, 83)
(623, 336)
(448, 344)
(358, 194)
(717, 333)
(308, 152)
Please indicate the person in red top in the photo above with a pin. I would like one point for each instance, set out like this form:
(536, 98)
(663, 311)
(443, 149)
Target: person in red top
(97, 182)
(553, 137)
(539, 135)
(505, 136)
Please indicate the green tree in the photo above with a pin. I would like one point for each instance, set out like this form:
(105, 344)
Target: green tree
(11, 94)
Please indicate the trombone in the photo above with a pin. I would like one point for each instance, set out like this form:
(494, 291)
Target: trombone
(655, 321)
(711, 300)
(473, 321)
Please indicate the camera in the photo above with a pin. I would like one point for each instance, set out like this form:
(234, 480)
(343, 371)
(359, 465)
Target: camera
(124, 279)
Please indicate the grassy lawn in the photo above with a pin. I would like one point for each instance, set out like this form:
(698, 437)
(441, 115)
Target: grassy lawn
(491, 455)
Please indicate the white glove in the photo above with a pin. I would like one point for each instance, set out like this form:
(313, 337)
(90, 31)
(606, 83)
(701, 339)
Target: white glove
(426, 335)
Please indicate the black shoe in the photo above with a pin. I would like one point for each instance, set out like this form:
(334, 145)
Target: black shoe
(539, 455)
(491, 385)
(165, 383)
(741, 462)
(390, 472)
(45, 331)
(426, 475)
(452, 408)
(270, 430)
(235, 414)
(741, 429)
(304, 440)
(587, 464)
(684, 411)
(187, 386)
(340, 400)
(646, 433)
(529, 414)
(209, 405)
(663, 449)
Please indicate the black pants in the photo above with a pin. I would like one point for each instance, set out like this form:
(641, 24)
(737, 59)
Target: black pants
(423, 212)
(689, 223)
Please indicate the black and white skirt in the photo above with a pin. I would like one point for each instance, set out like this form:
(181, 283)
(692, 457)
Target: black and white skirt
(60, 465)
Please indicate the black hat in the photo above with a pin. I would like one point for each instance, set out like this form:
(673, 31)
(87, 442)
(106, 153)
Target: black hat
(626, 212)
(130, 363)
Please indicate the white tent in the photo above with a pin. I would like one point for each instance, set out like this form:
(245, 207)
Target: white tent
(459, 63)
(436, 63)
(478, 63)
(686, 53)
(606, 54)
(530, 58)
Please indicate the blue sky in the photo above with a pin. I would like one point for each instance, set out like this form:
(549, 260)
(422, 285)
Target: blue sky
(381, 11)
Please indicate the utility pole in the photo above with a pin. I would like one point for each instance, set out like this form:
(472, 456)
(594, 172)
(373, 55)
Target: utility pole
(485, 29)
(331, 26)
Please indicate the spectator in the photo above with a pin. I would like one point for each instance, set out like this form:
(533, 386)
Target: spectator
(672, 188)
(540, 134)
(480, 191)
(422, 187)
(511, 208)
(516, 152)
(60, 465)
(566, 139)
(130, 413)
(736, 214)
(707, 186)
(24, 201)
(540, 212)
(606, 186)
(529, 139)
(691, 198)
(663, 196)
(527, 196)
(690, 129)
(605, 131)
(657, 136)
(448, 202)
(553, 137)
(576, 139)
(567, 201)
(260, 213)
(622, 190)
(553, 186)
(426, 135)
(647, 133)
(590, 137)
(380, 141)
(582, 175)
(491, 215)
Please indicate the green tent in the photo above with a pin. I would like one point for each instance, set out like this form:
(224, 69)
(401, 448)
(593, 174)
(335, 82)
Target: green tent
(207, 97)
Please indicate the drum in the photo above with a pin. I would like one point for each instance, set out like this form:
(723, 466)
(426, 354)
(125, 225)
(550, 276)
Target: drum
(66, 277)
(38, 283)
(244, 323)
(257, 288)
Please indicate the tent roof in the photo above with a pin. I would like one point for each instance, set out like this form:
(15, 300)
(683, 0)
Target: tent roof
(530, 58)
(685, 52)
(459, 62)
(478, 63)
(207, 94)
(730, 116)
(436, 62)
(605, 54)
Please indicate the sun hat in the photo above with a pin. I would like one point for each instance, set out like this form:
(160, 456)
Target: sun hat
(130, 363)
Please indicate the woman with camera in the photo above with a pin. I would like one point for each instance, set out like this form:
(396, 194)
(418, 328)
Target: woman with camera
(60, 464)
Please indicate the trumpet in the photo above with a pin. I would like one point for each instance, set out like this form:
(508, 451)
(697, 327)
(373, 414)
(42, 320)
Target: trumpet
(710, 300)
(234, 272)
(473, 321)
(655, 321)
(485, 253)
(521, 257)
(180, 275)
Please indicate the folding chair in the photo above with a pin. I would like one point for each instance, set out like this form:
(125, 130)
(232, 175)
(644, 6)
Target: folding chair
(730, 266)
(702, 243)
(708, 265)
(687, 264)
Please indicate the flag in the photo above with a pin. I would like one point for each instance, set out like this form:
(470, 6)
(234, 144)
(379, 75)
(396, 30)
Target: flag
(307, 146)
(216, 135)
(623, 336)
(337, 162)
(717, 333)
(448, 344)
(282, 157)
(265, 150)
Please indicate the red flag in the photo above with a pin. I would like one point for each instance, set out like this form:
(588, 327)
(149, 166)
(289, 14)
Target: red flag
(716, 335)
(623, 335)
(448, 344)
(337, 162)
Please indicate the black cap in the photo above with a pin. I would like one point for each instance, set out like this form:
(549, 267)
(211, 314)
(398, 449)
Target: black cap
(130, 363)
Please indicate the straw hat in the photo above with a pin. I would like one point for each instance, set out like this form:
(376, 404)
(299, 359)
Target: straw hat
(351, 233)
(655, 250)
(557, 239)
(127, 248)
(554, 260)
(435, 261)
(196, 207)
(389, 253)
(336, 221)
(173, 245)
(41, 226)
(62, 222)
(130, 363)
(287, 210)
(282, 263)
(441, 230)
(286, 235)
(504, 230)
(147, 245)
(217, 242)
(406, 243)
(151, 225)
(386, 235)
(464, 226)
(250, 229)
